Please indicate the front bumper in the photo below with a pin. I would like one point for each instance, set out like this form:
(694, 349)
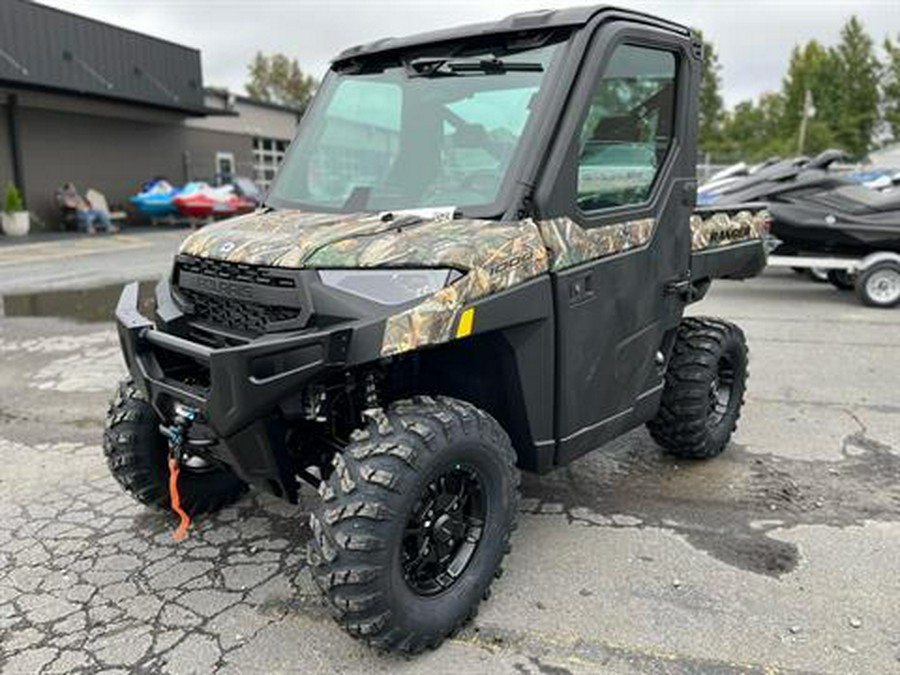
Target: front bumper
(239, 388)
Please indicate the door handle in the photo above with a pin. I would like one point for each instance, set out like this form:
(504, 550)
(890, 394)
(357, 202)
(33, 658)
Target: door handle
(682, 287)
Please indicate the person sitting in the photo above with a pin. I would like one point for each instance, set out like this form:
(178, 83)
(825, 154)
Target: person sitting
(89, 219)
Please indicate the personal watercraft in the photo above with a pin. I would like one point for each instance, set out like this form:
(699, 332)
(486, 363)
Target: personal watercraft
(155, 199)
(200, 200)
(836, 218)
(816, 209)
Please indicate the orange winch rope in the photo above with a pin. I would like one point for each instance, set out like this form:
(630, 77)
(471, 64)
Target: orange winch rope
(175, 498)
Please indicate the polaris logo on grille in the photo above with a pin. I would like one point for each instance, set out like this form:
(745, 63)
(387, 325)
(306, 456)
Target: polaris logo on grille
(232, 289)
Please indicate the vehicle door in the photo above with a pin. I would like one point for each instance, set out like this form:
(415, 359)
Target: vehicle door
(614, 205)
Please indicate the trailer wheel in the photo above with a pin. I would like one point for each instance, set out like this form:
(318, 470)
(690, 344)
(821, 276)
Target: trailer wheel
(704, 389)
(818, 274)
(136, 454)
(841, 280)
(414, 522)
(879, 285)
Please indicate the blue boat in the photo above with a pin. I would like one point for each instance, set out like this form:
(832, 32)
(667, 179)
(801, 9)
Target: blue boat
(155, 199)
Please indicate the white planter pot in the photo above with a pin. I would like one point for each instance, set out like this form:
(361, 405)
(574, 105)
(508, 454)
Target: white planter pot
(16, 224)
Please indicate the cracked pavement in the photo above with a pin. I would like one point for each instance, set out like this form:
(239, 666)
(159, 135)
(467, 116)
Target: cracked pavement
(780, 556)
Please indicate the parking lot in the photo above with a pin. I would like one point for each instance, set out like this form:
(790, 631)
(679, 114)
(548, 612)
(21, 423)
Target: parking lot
(780, 556)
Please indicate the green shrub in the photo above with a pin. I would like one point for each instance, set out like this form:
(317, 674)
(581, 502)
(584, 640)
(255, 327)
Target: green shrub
(12, 202)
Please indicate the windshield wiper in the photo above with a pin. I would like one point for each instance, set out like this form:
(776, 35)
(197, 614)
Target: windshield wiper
(444, 67)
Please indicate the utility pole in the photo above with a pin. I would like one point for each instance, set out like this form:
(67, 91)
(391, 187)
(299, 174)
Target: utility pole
(808, 111)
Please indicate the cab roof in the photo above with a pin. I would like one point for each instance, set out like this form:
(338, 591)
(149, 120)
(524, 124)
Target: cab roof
(525, 21)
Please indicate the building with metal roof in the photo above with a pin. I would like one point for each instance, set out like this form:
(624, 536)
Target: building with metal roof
(108, 108)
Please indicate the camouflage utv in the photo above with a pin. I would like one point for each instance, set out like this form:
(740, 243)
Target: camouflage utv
(474, 261)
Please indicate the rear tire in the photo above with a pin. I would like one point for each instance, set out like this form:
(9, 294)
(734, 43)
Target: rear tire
(704, 389)
(137, 456)
(879, 285)
(400, 565)
(841, 280)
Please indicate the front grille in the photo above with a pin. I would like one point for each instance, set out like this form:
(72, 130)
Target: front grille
(250, 274)
(277, 302)
(239, 315)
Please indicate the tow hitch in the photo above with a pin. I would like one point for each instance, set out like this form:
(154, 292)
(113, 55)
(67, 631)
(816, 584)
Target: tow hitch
(175, 433)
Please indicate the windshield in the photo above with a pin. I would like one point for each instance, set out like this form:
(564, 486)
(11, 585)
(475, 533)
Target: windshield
(423, 132)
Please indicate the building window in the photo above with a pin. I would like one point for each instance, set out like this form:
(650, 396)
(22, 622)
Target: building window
(268, 154)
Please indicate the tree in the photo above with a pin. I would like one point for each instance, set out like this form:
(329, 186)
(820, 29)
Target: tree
(752, 130)
(812, 68)
(278, 79)
(711, 105)
(891, 88)
(858, 73)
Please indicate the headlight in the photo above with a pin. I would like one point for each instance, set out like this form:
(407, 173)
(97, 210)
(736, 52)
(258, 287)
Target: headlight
(389, 286)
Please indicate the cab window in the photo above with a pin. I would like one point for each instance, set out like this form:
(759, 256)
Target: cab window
(629, 127)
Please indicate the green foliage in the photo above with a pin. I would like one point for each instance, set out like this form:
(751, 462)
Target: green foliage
(812, 68)
(849, 101)
(711, 106)
(12, 201)
(278, 79)
(857, 93)
(891, 88)
(751, 131)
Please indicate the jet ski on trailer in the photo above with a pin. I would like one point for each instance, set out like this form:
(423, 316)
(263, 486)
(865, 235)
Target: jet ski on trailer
(823, 219)
(818, 210)
(836, 218)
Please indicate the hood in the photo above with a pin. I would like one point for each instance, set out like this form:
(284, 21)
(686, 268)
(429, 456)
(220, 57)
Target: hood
(299, 239)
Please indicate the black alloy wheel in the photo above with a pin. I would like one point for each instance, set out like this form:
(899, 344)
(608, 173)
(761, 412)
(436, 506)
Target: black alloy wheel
(444, 530)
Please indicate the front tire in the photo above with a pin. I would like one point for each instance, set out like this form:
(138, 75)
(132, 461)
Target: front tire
(414, 522)
(137, 455)
(704, 389)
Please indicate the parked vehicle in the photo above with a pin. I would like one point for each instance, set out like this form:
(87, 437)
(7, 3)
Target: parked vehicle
(245, 188)
(155, 200)
(835, 217)
(200, 200)
(827, 223)
(714, 192)
(888, 180)
(709, 192)
(439, 294)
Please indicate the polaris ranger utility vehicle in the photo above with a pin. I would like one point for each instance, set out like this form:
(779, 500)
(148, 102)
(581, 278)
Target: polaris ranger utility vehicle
(474, 261)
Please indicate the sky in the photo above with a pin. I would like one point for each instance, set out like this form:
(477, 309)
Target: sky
(754, 38)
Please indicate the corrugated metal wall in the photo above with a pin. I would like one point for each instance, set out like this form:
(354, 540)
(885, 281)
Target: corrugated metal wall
(44, 47)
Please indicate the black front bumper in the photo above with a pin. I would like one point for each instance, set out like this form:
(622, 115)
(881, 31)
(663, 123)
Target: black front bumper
(241, 386)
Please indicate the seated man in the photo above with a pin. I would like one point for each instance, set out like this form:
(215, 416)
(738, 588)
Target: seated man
(89, 219)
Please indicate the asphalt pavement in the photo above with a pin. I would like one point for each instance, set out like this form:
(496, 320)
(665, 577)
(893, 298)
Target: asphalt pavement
(779, 556)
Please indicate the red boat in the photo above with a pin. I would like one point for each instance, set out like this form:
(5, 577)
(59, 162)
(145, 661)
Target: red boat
(200, 200)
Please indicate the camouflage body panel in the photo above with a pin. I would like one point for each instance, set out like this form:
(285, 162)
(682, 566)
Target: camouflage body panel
(494, 255)
(570, 244)
(721, 229)
(278, 238)
(497, 256)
